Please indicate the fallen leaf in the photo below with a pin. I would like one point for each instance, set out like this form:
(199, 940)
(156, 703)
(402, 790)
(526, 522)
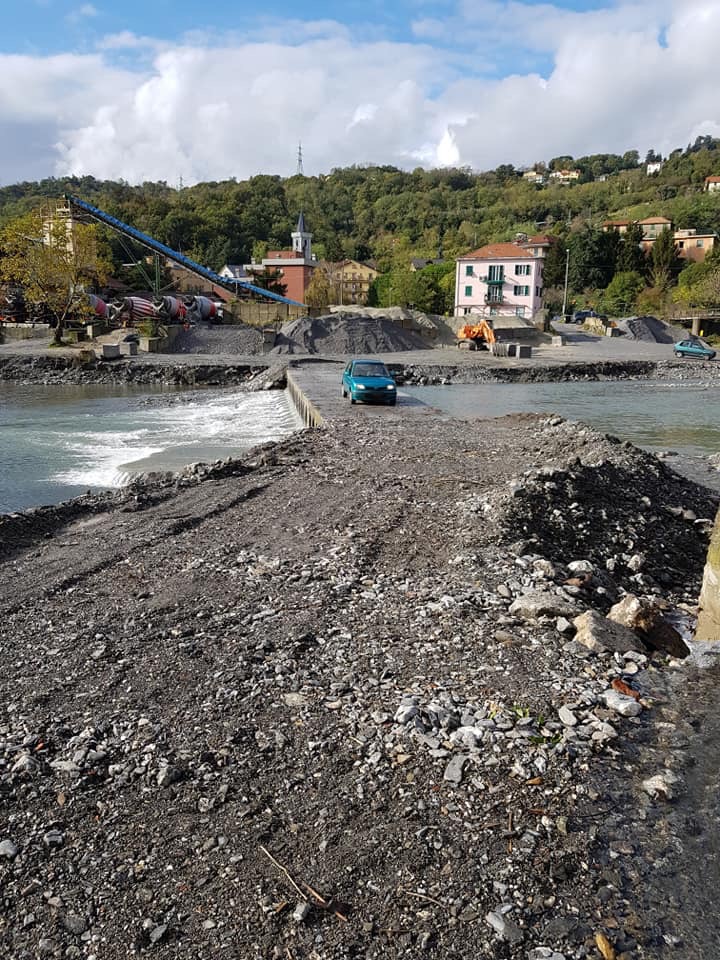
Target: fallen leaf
(605, 947)
(625, 689)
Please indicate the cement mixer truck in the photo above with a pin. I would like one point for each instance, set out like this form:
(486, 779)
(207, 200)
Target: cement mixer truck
(202, 309)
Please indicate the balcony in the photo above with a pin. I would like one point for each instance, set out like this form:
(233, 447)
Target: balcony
(493, 281)
(494, 298)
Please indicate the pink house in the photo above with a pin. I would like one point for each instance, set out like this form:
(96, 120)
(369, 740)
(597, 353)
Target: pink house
(501, 279)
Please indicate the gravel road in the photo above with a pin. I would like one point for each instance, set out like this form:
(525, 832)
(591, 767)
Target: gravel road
(331, 701)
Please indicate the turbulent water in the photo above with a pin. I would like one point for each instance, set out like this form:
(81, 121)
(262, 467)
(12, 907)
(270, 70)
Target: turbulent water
(59, 441)
(658, 416)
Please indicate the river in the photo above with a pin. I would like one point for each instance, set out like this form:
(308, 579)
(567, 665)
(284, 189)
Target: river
(60, 441)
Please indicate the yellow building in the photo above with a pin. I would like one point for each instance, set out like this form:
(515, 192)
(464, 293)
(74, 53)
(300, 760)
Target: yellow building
(350, 280)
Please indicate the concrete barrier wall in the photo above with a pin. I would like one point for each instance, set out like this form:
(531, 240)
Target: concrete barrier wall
(309, 413)
(708, 626)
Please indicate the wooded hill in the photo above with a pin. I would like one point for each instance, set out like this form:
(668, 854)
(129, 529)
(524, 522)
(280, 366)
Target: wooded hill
(390, 215)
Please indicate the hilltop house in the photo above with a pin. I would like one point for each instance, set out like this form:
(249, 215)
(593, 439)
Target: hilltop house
(500, 279)
(534, 176)
(712, 184)
(690, 244)
(565, 176)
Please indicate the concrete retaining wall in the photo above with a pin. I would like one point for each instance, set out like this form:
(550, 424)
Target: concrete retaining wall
(311, 416)
(708, 626)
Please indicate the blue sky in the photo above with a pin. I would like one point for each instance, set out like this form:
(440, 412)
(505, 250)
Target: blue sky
(60, 26)
(170, 89)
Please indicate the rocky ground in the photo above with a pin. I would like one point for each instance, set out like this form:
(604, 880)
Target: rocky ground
(353, 697)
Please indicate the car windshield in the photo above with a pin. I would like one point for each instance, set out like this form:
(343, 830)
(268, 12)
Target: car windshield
(370, 370)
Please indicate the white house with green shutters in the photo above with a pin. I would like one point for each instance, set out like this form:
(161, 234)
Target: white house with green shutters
(501, 279)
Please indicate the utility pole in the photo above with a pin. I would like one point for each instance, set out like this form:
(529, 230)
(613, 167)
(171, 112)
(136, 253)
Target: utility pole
(567, 272)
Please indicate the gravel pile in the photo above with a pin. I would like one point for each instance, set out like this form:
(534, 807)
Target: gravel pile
(651, 330)
(342, 335)
(238, 338)
(332, 701)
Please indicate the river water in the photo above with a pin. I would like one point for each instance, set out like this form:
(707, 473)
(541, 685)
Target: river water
(658, 416)
(60, 441)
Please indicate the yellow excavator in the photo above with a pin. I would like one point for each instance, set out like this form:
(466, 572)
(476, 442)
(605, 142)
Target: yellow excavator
(475, 335)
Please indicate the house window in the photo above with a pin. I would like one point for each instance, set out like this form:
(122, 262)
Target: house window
(468, 291)
(519, 311)
(681, 244)
(468, 270)
(522, 269)
(521, 291)
(699, 243)
(495, 273)
(493, 311)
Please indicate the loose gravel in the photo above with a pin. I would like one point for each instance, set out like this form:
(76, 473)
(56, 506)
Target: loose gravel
(326, 702)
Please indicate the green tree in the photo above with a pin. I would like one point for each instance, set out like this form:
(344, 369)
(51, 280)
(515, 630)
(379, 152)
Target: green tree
(665, 262)
(630, 255)
(593, 254)
(318, 292)
(621, 294)
(54, 260)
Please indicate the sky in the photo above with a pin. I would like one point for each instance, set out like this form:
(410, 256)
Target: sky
(186, 91)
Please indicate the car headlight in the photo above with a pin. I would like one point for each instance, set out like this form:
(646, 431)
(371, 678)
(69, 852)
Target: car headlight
(359, 386)
(390, 386)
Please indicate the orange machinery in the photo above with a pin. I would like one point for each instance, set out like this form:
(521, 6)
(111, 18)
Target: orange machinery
(475, 334)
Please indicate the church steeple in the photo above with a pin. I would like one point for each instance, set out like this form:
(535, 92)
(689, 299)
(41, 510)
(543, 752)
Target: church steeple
(302, 239)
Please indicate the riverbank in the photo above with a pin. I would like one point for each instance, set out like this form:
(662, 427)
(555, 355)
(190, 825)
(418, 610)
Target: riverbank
(347, 662)
(432, 367)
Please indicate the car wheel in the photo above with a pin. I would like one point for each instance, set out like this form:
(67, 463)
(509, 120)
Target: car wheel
(352, 399)
(392, 402)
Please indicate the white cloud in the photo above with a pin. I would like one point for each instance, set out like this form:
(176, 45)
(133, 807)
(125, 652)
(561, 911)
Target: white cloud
(204, 111)
(84, 12)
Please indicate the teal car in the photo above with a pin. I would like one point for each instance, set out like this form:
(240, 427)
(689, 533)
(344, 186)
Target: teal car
(693, 348)
(369, 382)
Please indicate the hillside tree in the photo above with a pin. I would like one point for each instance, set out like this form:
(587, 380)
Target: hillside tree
(55, 262)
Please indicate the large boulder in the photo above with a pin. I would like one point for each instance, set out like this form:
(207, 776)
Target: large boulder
(601, 635)
(645, 619)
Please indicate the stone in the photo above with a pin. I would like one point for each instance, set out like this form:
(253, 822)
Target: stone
(647, 621)
(662, 786)
(625, 706)
(54, 838)
(542, 603)
(545, 953)
(504, 927)
(157, 933)
(9, 850)
(581, 566)
(601, 635)
(75, 924)
(563, 625)
(454, 769)
(302, 911)
(567, 717)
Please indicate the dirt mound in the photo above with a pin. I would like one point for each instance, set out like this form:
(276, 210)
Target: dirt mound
(237, 338)
(334, 334)
(650, 330)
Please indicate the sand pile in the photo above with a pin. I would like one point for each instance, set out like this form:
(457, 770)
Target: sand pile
(650, 330)
(341, 335)
(236, 338)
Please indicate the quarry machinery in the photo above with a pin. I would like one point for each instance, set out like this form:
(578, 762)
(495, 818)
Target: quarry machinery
(475, 335)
